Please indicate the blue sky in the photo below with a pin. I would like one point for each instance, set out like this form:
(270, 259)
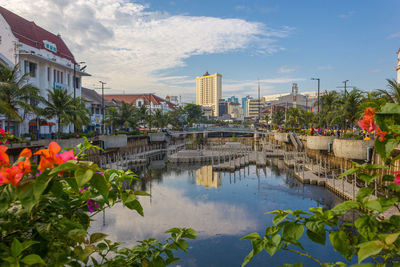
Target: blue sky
(161, 46)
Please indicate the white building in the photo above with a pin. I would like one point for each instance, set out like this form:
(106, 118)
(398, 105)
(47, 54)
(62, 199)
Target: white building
(48, 60)
(151, 101)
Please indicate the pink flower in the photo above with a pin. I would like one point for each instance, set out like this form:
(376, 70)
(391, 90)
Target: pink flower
(83, 189)
(397, 178)
(92, 205)
(68, 155)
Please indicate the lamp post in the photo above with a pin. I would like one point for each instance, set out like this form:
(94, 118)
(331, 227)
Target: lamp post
(345, 87)
(102, 106)
(74, 83)
(318, 90)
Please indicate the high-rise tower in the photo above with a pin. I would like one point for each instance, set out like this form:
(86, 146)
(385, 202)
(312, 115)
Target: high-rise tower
(209, 91)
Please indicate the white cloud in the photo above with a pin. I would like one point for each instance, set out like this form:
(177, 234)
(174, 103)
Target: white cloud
(128, 46)
(206, 217)
(286, 69)
(394, 35)
(346, 15)
(375, 70)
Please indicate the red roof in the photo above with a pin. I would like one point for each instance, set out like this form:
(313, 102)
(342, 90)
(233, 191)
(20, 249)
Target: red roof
(131, 98)
(29, 33)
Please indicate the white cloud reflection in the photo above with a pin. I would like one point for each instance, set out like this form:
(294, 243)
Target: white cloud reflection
(171, 208)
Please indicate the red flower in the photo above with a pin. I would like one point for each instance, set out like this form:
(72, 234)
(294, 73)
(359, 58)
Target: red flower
(68, 155)
(26, 152)
(397, 178)
(381, 134)
(11, 176)
(25, 166)
(369, 112)
(49, 157)
(4, 159)
(367, 123)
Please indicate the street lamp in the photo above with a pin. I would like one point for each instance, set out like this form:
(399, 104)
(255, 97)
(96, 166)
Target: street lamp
(345, 87)
(318, 89)
(102, 107)
(74, 83)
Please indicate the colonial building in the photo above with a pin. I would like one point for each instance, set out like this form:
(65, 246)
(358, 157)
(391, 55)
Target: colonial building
(45, 57)
(398, 66)
(151, 101)
(209, 91)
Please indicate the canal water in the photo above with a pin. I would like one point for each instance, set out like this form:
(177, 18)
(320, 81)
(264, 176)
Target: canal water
(222, 208)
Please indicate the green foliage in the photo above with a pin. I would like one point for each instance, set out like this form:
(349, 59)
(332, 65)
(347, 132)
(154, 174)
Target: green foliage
(44, 220)
(369, 236)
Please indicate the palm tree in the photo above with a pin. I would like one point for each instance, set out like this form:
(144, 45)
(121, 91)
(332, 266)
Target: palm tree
(15, 93)
(61, 105)
(278, 117)
(160, 119)
(294, 117)
(349, 107)
(113, 117)
(81, 114)
(392, 94)
(329, 108)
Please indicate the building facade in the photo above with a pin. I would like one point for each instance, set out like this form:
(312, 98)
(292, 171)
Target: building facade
(232, 99)
(254, 107)
(151, 101)
(48, 61)
(235, 110)
(222, 107)
(209, 91)
(244, 104)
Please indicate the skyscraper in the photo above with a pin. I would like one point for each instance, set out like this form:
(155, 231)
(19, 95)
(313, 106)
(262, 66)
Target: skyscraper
(209, 91)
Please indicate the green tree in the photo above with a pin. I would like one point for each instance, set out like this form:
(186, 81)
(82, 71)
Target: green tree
(81, 114)
(160, 119)
(349, 108)
(194, 113)
(60, 105)
(16, 93)
(278, 117)
(294, 117)
(392, 93)
(328, 111)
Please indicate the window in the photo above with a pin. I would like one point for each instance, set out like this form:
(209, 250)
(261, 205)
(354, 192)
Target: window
(48, 74)
(77, 82)
(54, 75)
(58, 76)
(30, 68)
(62, 77)
(69, 79)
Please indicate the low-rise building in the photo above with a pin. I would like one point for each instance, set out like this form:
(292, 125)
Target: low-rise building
(398, 66)
(46, 58)
(151, 101)
(254, 107)
(235, 110)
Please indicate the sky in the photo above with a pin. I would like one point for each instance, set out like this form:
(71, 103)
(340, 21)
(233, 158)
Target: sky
(160, 46)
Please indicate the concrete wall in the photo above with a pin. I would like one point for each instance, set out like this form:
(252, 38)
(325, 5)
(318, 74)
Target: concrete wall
(282, 137)
(114, 141)
(319, 142)
(351, 149)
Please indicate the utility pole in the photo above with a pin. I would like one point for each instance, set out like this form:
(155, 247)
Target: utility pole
(259, 102)
(345, 87)
(318, 90)
(102, 106)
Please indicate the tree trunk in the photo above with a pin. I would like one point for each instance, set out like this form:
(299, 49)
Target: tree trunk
(59, 127)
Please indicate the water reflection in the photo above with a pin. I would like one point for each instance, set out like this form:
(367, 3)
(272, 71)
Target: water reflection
(207, 177)
(236, 206)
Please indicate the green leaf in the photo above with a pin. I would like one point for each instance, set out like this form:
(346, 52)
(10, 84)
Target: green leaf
(73, 185)
(293, 231)
(317, 238)
(252, 236)
(317, 210)
(99, 182)
(390, 108)
(299, 264)
(368, 249)
(83, 176)
(135, 205)
(368, 178)
(189, 233)
(182, 244)
(345, 206)
(279, 217)
(341, 243)
(66, 166)
(141, 193)
(390, 239)
(385, 148)
(366, 226)
(40, 185)
(387, 203)
(364, 194)
(77, 235)
(374, 205)
(96, 237)
(388, 178)
(16, 248)
(25, 195)
(348, 172)
(273, 244)
(248, 258)
(33, 259)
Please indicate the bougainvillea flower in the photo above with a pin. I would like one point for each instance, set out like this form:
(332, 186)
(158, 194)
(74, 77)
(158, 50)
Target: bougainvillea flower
(381, 134)
(92, 205)
(369, 112)
(25, 166)
(367, 123)
(49, 157)
(26, 152)
(397, 178)
(66, 156)
(11, 175)
(4, 159)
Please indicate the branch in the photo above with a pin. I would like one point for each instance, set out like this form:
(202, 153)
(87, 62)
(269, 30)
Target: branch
(306, 255)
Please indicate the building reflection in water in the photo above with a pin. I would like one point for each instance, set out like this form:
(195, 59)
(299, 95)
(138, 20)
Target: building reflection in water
(207, 177)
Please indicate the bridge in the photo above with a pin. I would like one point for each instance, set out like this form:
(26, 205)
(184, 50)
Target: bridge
(220, 132)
